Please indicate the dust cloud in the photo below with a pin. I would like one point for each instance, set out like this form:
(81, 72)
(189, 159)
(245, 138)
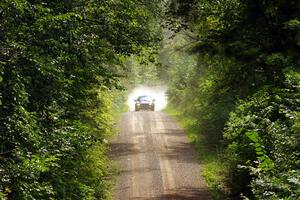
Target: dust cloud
(156, 92)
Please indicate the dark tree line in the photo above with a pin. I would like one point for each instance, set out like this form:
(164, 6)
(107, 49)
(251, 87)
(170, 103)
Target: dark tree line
(244, 93)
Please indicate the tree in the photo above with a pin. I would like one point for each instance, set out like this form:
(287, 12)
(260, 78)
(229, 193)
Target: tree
(59, 65)
(248, 85)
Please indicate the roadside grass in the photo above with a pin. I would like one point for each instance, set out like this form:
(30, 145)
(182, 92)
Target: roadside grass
(213, 169)
(100, 171)
(118, 108)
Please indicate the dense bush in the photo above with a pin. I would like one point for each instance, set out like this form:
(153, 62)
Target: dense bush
(263, 136)
(59, 67)
(246, 81)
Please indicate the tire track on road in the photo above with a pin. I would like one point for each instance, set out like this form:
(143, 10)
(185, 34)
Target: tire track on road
(155, 159)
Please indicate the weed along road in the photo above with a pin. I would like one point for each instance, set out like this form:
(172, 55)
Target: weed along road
(155, 160)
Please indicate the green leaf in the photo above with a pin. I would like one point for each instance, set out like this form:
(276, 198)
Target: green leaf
(253, 136)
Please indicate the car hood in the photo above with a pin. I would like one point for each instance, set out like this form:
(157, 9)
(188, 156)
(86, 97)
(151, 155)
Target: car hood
(144, 102)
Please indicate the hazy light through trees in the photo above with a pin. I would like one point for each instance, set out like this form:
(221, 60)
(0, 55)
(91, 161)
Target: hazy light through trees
(156, 92)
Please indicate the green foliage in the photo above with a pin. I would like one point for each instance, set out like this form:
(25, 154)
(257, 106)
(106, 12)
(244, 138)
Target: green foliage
(246, 81)
(263, 139)
(180, 66)
(59, 69)
(141, 68)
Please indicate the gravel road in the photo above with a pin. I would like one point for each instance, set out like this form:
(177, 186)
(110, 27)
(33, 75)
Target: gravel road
(156, 160)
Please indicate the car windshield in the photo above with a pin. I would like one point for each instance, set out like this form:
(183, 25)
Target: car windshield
(144, 98)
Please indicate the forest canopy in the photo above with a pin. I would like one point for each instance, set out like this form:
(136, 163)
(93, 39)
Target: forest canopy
(60, 66)
(243, 93)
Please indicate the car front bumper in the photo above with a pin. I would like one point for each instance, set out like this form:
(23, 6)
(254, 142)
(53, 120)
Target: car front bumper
(144, 106)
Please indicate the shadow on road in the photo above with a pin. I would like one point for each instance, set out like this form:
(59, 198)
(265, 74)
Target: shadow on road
(181, 194)
(181, 152)
(123, 149)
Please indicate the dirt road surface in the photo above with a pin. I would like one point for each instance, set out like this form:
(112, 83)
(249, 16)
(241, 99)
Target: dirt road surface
(156, 160)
